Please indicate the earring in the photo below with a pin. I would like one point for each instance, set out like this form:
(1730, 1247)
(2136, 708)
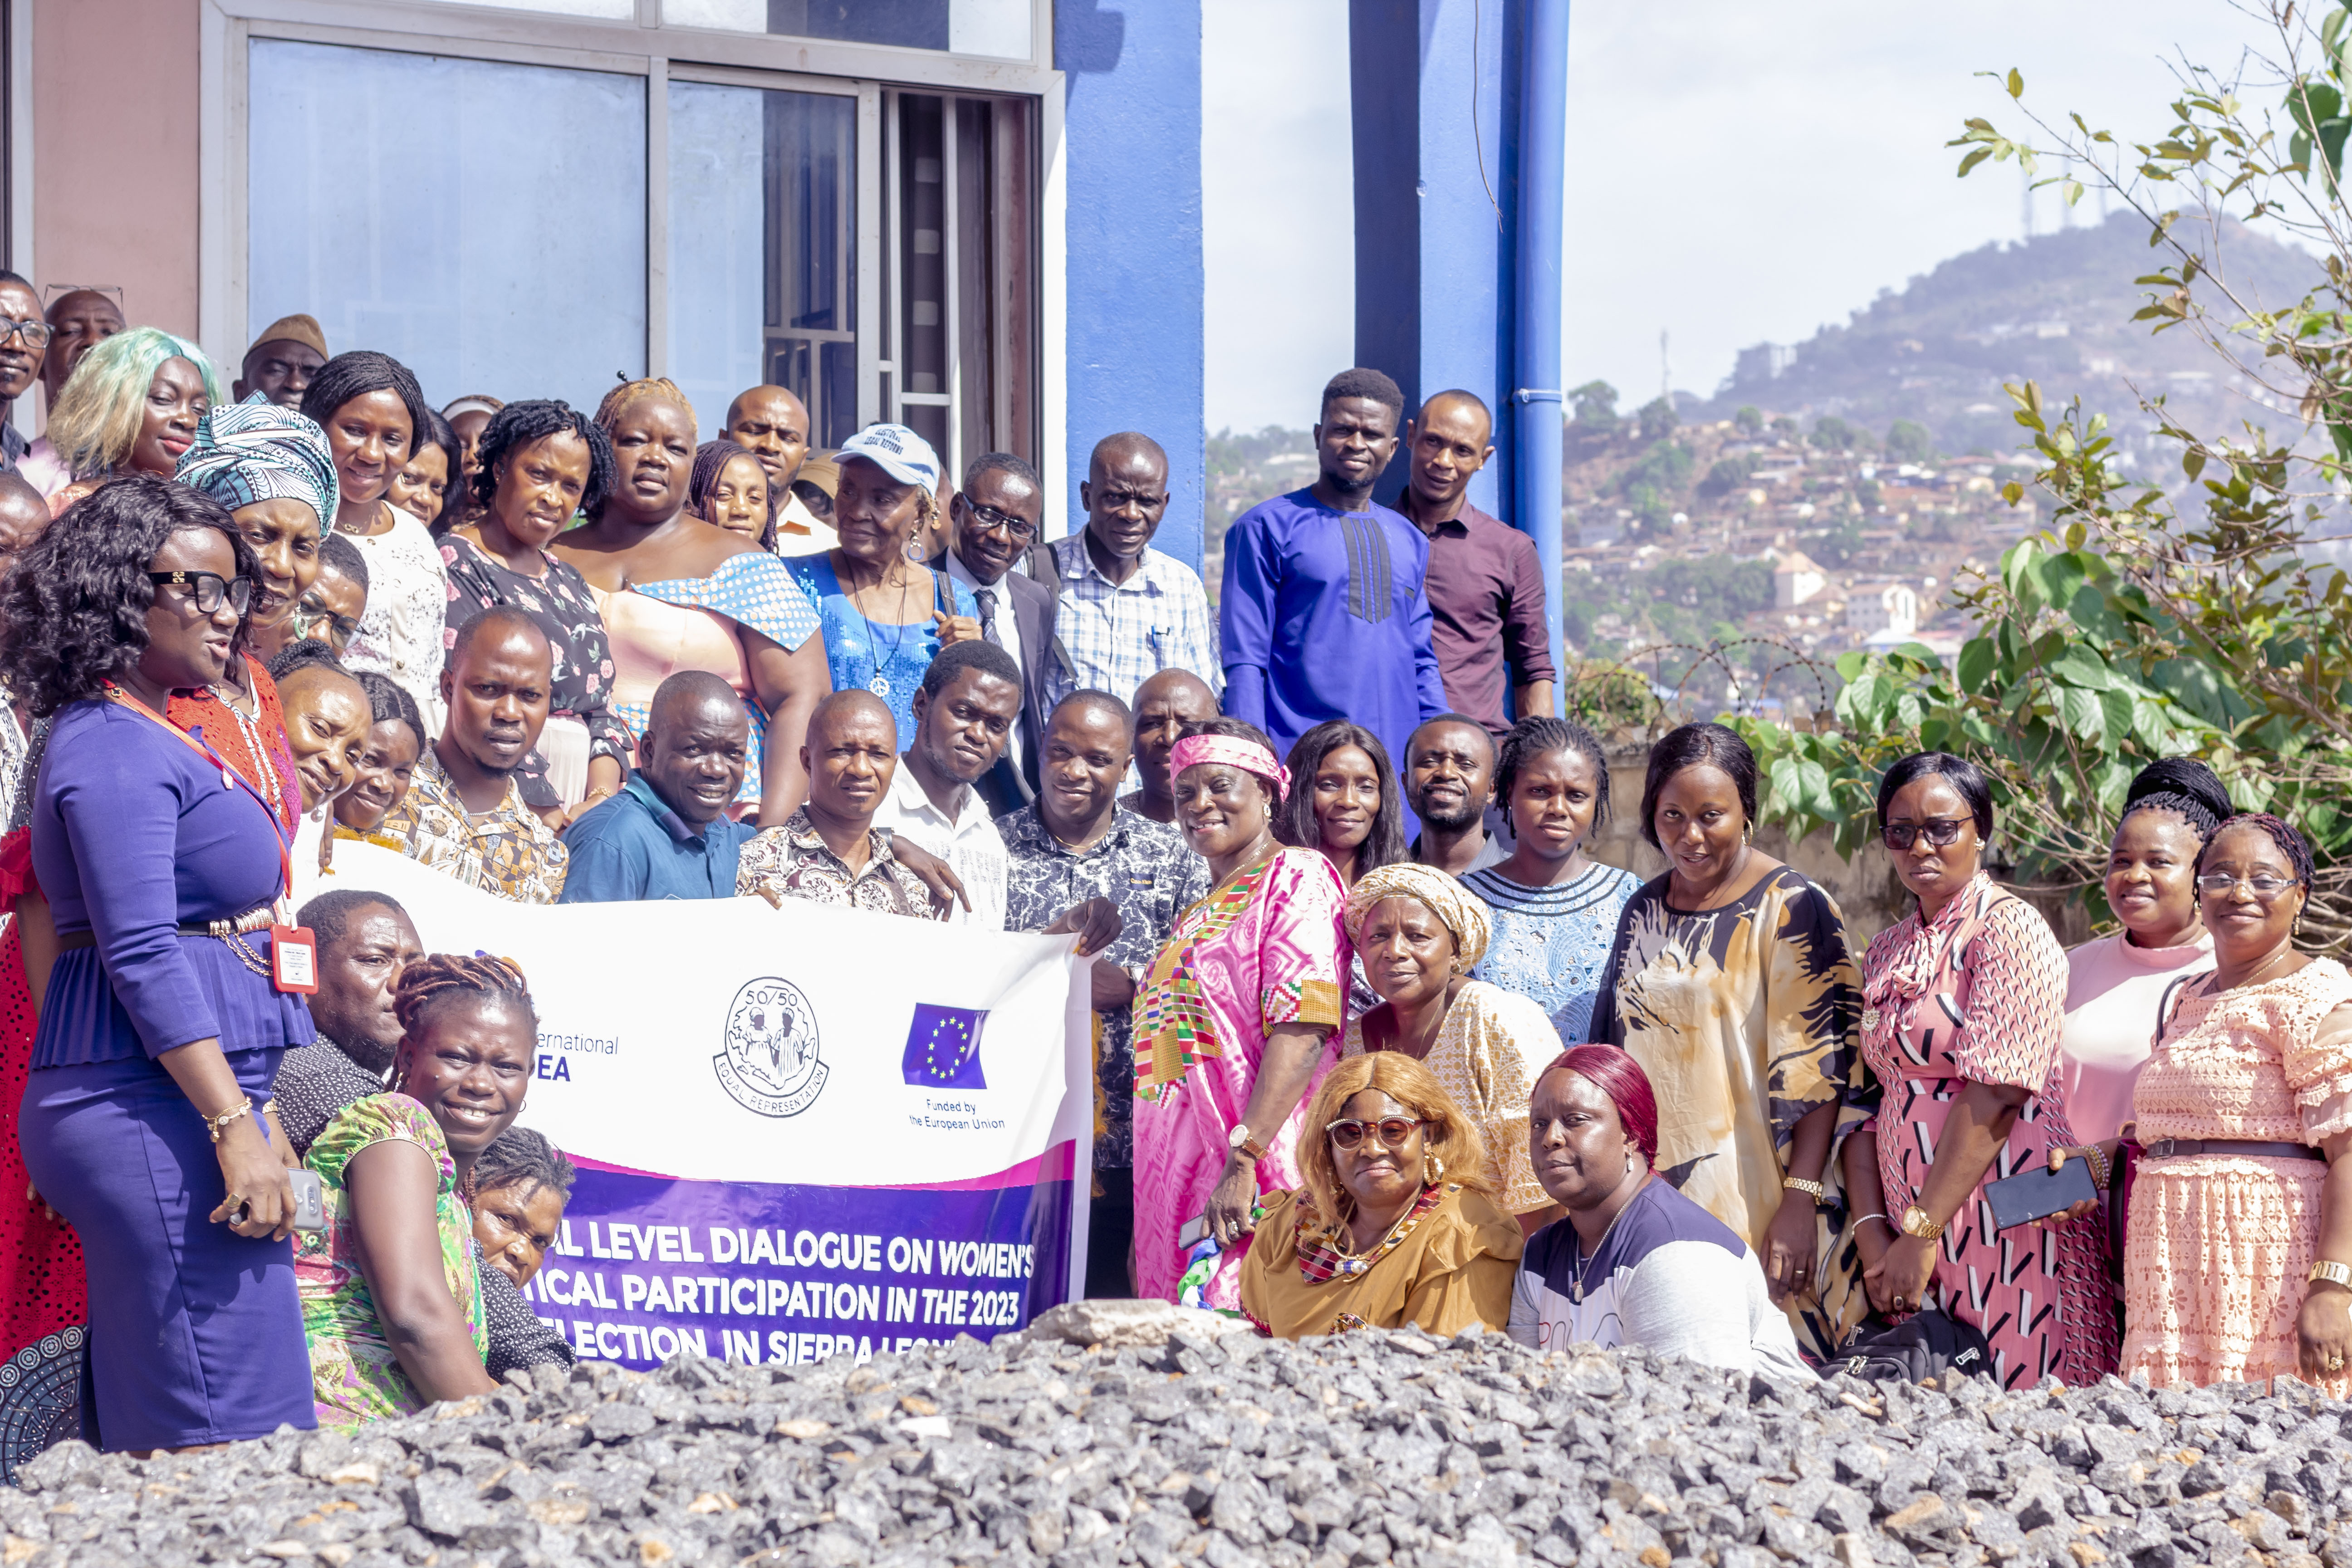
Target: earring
(1629, 1164)
(1432, 1170)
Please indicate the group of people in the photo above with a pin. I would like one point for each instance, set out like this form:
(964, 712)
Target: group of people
(1377, 1039)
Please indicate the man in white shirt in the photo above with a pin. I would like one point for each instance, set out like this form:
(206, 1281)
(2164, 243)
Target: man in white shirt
(997, 515)
(964, 714)
(772, 425)
(1128, 611)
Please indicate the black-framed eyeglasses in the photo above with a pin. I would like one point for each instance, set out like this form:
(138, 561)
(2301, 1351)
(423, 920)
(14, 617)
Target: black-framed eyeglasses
(2262, 885)
(1019, 529)
(1942, 832)
(209, 589)
(1392, 1130)
(36, 334)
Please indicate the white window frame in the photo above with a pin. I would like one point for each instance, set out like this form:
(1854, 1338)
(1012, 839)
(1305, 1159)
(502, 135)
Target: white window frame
(643, 48)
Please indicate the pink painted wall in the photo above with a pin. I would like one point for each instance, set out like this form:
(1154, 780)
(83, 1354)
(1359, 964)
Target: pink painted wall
(114, 152)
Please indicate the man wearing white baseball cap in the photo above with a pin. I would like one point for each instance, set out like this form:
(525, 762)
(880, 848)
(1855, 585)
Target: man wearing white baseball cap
(886, 615)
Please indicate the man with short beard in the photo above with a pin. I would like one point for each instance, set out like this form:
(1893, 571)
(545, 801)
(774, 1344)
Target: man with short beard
(464, 814)
(1449, 778)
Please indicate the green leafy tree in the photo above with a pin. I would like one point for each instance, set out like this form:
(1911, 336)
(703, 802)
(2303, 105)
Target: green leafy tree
(1833, 434)
(1727, 474)
(1596, 408)
(1656, 420)
(1908, 442)
(1748, 420)
(1784, 425)
(2138, 626)
(1665, 467)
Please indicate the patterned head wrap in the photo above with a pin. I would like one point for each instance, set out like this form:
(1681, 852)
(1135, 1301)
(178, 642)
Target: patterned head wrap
(1234, 750)
(1445, 898)
(256, 451)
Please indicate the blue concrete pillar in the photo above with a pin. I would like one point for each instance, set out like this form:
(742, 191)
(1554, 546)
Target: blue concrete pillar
(1436, 110)
(1131, 138)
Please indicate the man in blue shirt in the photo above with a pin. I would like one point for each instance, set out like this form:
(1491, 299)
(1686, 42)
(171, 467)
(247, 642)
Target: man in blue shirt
(1325, 615)
(668, 835)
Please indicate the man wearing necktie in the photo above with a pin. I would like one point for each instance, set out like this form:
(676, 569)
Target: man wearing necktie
(997, 515)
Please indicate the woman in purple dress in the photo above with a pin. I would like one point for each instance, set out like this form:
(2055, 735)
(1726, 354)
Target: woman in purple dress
(161, 1028)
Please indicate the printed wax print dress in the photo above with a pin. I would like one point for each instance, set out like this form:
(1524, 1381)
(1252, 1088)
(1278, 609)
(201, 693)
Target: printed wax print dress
(354, 1374)
(1268, 946)
(1979, 995)
(1744, 1018)
(2219, 1247)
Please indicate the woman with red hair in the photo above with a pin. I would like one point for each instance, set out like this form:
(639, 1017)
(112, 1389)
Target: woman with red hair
(1635, 1262)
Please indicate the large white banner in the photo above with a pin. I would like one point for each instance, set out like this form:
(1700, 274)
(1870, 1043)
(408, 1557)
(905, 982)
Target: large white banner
(802, 1132)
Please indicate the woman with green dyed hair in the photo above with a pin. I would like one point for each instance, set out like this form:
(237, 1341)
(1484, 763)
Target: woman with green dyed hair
(132, 406)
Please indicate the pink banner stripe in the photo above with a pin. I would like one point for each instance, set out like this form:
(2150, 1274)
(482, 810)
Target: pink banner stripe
(1058, 1163)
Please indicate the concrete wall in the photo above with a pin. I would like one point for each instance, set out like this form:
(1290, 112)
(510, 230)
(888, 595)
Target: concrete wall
(1132, 131)
(1434, 87)
(115, 155)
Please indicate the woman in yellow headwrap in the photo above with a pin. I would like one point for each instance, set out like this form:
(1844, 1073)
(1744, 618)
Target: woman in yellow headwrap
(1419, 934)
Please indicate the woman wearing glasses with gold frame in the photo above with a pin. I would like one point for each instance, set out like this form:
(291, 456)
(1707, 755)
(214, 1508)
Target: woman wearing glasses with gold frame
(1393, 1221)
(2237, 1251)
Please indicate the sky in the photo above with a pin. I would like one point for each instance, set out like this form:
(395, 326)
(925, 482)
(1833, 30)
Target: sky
(1738, 174)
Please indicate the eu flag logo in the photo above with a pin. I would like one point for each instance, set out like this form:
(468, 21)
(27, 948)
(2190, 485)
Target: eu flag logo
(943, 1048)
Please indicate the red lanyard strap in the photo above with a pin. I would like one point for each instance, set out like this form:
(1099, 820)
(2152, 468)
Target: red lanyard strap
(229, 775)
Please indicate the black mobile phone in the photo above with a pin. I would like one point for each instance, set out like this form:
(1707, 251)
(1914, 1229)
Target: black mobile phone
(2037, 1194)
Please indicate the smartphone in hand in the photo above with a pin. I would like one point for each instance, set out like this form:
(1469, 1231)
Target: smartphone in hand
(2038, 1193)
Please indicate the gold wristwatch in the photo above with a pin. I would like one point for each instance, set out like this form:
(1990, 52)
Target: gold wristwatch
(2334, 1273)
(1813, 1190)
(1917, 1222)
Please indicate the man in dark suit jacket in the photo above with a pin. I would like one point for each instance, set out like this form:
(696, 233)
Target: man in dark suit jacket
(996, 516)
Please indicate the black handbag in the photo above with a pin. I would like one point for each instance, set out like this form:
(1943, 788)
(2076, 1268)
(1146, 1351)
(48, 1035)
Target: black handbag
(1925, 1344)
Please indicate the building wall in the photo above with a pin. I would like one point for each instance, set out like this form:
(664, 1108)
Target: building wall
(1135, 280)
(115, 154)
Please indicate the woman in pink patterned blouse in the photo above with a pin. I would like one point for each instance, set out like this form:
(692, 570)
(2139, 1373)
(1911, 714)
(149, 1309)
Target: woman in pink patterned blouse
(1965, 999)
(1235, 1021)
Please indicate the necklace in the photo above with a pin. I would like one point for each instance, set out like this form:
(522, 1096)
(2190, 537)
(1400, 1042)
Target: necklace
(265, 770)
(1583, 1261)
(880, 683)
(2287, 951)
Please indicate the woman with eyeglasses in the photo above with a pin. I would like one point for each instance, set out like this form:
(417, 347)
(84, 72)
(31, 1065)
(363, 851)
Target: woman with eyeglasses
(1966, 999)
(146, 1121)
(1635, 1262)
(1731, 984)
(1394, 1222)
(2238, 1249)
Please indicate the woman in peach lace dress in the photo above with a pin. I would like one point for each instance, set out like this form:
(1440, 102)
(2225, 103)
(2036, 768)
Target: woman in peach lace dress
(2238, 1201)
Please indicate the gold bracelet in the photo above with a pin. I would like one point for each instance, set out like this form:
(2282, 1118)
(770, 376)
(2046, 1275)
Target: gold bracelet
(216, 1125)
(2334, 1273)
(1813, 1190)
(2101, 1172)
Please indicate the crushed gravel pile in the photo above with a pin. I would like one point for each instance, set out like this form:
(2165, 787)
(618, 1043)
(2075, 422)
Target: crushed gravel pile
(1229, 1449)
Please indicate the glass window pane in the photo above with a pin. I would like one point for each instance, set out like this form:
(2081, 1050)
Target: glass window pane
(999, 29)
(610, 10)
(484, 224)
(763, 260)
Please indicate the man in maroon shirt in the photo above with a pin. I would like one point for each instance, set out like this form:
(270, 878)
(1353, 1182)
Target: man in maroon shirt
(1485, 582)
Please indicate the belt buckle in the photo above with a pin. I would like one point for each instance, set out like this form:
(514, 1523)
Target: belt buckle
(2159, 1149)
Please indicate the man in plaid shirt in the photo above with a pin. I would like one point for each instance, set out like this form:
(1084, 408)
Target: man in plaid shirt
(1128, 611)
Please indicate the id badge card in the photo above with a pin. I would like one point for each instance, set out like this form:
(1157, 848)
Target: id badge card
(294, 959)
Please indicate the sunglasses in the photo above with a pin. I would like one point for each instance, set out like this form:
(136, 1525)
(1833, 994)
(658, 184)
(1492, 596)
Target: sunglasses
(1942, 832)
(209, 589)
(1392, 1130)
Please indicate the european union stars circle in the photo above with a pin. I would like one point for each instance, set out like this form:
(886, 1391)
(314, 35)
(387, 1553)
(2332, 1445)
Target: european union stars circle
(955, 1031)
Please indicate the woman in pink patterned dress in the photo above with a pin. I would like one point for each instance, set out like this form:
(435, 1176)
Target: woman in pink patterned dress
(1236, 1019)
(1965, 1000)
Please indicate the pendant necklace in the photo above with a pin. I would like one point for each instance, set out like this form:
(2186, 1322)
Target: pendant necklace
(880, 684)
(1576, 1291)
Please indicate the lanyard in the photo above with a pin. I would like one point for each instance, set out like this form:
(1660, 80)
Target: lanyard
(229, 776)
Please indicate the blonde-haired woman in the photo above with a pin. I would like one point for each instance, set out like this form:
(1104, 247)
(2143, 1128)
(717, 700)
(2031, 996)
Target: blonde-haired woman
(1395, 1221)
(132, 406)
